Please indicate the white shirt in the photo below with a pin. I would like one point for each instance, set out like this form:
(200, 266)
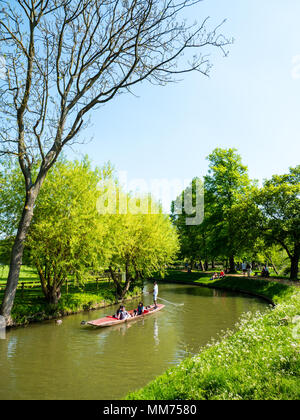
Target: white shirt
(155, 290)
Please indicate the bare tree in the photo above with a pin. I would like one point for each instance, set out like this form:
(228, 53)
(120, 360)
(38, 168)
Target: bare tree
(66, 57)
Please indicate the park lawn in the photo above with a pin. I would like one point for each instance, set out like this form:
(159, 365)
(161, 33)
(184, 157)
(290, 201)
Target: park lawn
(27, 274)
(259, 360)
(30, 306)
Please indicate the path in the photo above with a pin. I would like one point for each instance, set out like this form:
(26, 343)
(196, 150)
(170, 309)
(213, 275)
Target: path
(273, 279)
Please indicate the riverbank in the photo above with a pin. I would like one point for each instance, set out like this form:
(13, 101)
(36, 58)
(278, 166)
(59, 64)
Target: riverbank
(259, 360)
(30, 305)
(272, 291)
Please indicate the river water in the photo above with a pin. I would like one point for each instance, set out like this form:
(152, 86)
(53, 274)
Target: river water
(68, 361)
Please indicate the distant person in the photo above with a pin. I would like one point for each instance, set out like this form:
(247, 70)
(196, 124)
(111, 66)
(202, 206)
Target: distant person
(265, 271)
(244, 269)
(222, 274)
(214, 276)
(248, 268)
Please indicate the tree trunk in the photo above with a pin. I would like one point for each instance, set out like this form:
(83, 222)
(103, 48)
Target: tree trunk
(295, 263)
(231, 264)
(116, 283)
(53, 295)
(127, 281)
(206, 265)
(201, 266)
(272, 264)
(17, 255)
(126, 287)
(212, 264)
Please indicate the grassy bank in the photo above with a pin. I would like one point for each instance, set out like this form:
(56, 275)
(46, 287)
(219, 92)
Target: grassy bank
(259, 360)
(273, 291)
(30, 305)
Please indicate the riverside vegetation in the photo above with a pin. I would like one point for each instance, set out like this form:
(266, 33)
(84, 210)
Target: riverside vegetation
(71, 239)
(30, 305)
(258, 360)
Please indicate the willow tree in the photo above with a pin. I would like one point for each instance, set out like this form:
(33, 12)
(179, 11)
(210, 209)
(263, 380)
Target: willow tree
(65, 58)
(65, 236)
(140, 241)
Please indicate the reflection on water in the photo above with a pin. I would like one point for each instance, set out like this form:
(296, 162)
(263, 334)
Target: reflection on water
(155, 333)
(50, 361)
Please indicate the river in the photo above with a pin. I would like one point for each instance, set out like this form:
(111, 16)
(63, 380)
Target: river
(68, 361)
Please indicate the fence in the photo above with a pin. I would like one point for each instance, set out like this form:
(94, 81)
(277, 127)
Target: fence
(68, 282)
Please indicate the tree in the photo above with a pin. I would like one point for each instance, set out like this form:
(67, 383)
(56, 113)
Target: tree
(279, 204)
(194, 239)
(65, 58)
(66, 236)
(138, 245)
(226, 185)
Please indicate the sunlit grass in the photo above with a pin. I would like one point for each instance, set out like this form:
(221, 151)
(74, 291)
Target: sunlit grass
(260, 360)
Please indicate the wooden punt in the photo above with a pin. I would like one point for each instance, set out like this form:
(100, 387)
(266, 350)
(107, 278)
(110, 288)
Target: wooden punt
(108, 321)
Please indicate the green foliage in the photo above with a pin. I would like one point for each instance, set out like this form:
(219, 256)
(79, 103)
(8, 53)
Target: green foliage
(242, 220)
(11, 197)
(193, 238)
(226, 185)
(69, 236)
(138, 244)
(279, 204)
(65, 234)
(30, 304)
(224, 232)
(259, 360)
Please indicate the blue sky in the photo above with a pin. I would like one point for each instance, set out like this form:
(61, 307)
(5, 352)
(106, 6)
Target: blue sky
(251, 102)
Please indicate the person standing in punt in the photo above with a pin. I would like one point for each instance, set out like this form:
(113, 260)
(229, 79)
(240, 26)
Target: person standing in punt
(155, 293)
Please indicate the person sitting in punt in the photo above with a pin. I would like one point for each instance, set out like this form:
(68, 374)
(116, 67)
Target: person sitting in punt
(117, 314)
(140, 308)
(124, 314)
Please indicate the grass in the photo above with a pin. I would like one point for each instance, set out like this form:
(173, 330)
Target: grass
(271, 290)
(27, 274)
(30, 306)
(260, 360)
